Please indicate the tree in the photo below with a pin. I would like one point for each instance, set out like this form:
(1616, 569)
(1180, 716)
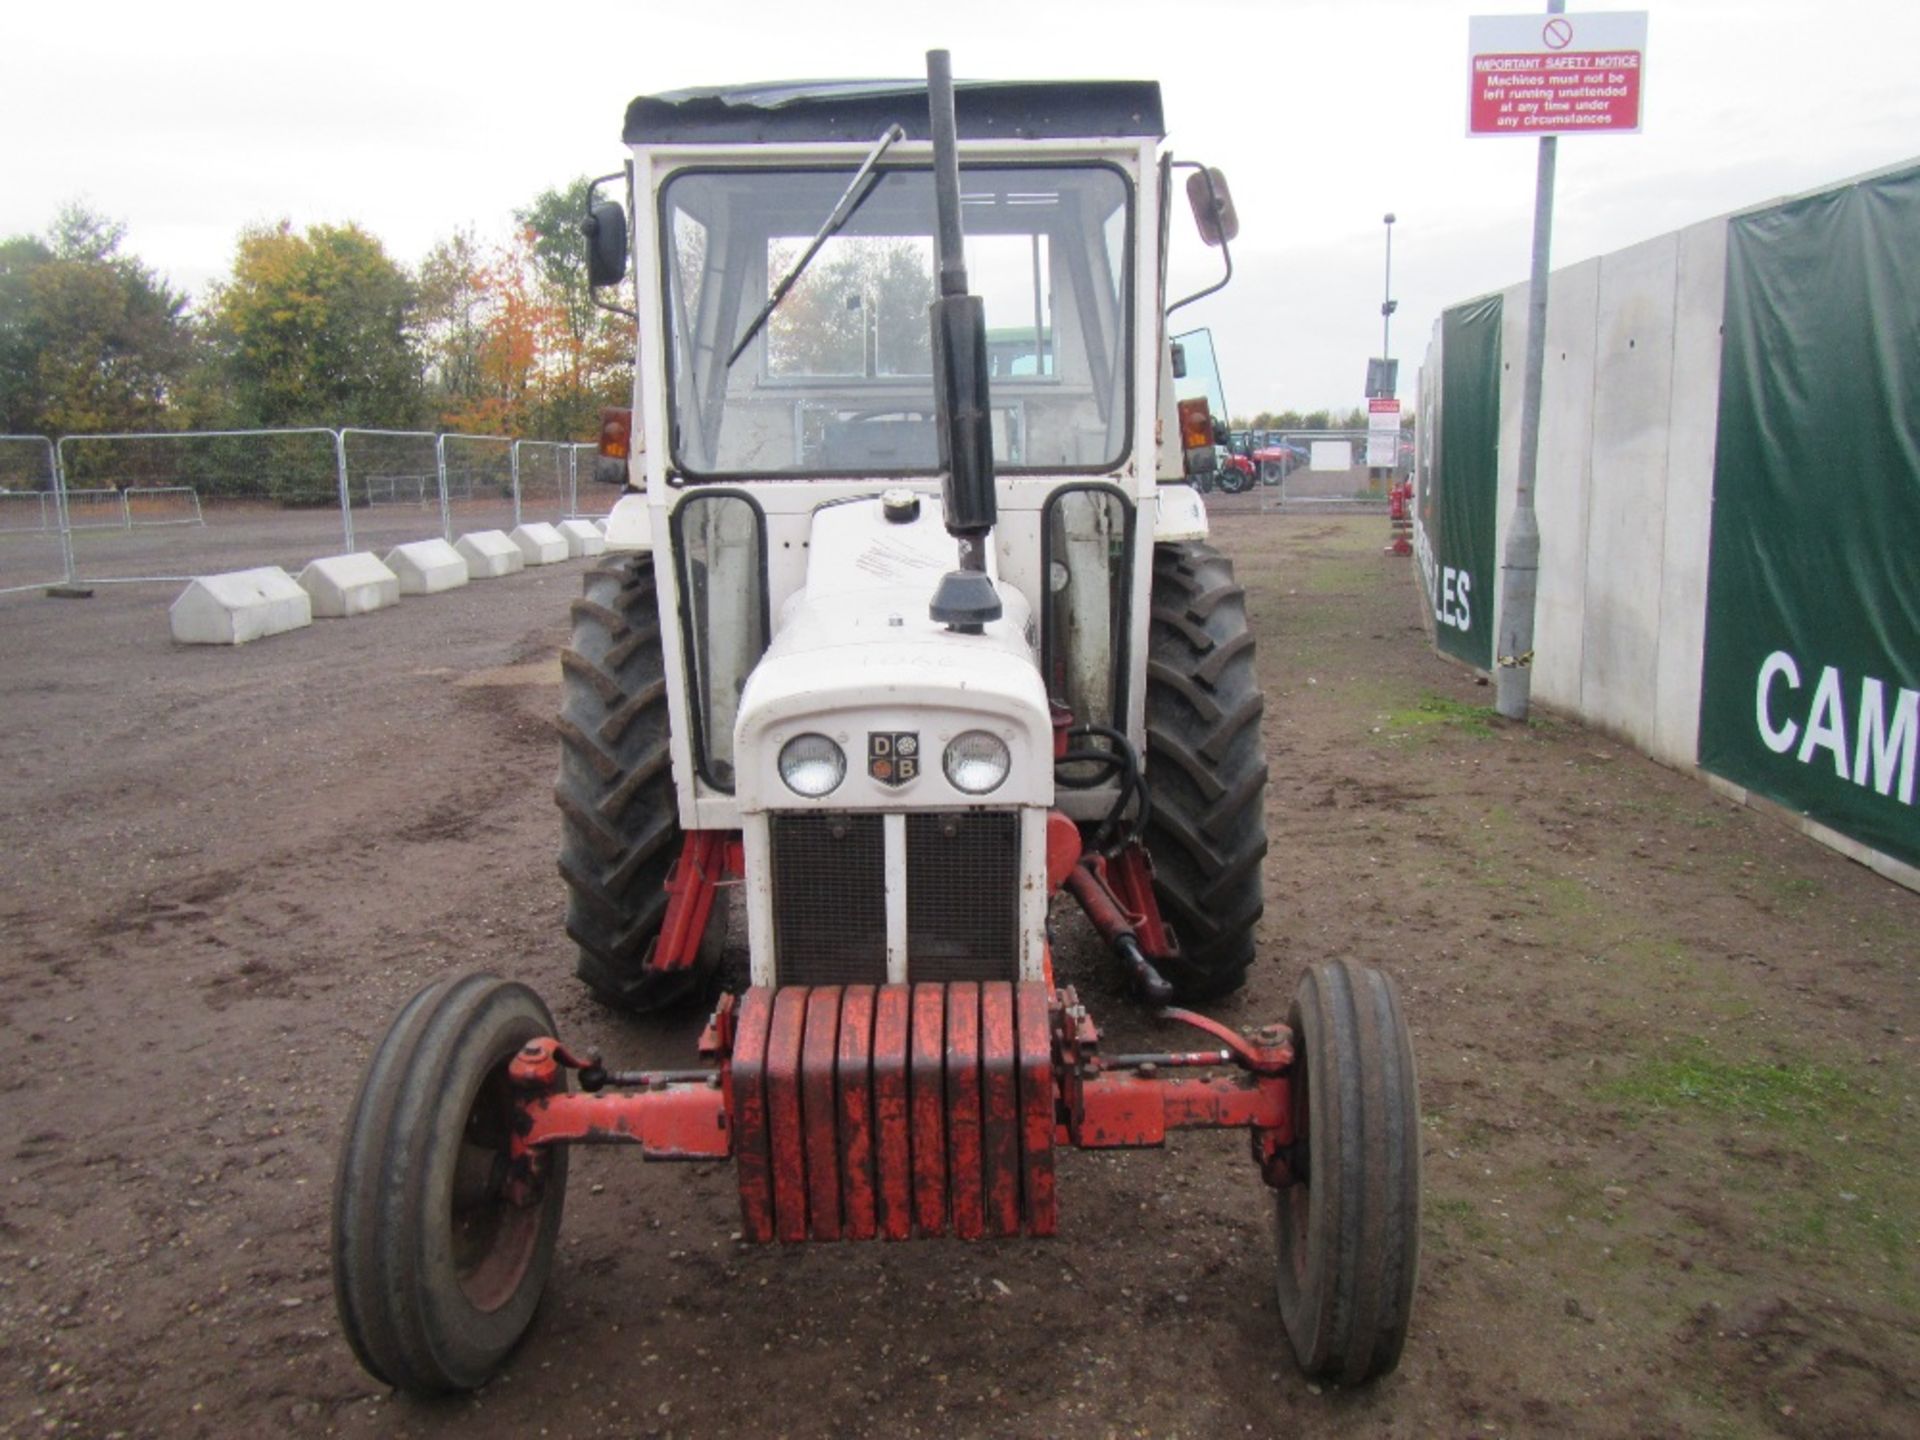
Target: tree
(90, 338)
(455, 299)
(587, 361)
(550, 224)
(316, 329)
(511, 338)
(20, 401)
(518, 354)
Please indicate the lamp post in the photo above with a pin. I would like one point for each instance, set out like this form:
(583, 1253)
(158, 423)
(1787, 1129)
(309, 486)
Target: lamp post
(1387, 303)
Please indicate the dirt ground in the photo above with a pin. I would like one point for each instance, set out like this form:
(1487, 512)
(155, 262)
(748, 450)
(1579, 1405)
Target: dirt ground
(1667, 1050)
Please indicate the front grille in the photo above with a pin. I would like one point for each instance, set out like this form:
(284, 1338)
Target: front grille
(829, 899)
(963, 894)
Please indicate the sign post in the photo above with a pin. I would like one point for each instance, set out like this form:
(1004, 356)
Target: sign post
(1566, 75)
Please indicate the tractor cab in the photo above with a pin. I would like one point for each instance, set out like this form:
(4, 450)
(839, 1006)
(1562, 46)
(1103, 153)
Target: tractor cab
(796, 492)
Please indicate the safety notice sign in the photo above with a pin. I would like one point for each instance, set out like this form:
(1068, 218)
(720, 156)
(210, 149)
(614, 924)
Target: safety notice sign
(1556, 74)
(1383, 433)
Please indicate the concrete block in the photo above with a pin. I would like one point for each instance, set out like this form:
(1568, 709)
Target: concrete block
(242, 605)
(1564, 481)
(1700, 302)
(1627, 490)
(540, 543)
(343, 585)
(426, 567)
(583, 537)
(489, 554)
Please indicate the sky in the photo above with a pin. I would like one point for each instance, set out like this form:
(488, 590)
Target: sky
(189, 121)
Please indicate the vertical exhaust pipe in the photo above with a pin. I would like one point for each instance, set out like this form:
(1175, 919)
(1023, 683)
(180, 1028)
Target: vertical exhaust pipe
(965, 599)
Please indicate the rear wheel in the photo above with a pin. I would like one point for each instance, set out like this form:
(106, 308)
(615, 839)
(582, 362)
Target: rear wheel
(436, 1273)
(1349, 1232)
(621, 822)
(1208, 831)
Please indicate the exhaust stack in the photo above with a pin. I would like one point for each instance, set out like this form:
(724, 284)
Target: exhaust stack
(965, 599)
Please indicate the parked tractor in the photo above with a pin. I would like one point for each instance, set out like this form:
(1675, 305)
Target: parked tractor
(905, 633)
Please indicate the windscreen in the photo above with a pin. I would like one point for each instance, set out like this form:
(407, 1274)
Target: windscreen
(838, 380)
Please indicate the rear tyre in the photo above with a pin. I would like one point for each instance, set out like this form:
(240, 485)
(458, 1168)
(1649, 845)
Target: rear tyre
(621, 822)
(1349, 1233)
(436, 1274)
(1208, 775)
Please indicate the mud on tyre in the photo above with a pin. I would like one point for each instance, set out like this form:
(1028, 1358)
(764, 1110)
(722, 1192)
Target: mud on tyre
(1207, 833)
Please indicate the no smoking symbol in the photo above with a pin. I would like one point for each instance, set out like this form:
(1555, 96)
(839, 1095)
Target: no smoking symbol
(1558, 34)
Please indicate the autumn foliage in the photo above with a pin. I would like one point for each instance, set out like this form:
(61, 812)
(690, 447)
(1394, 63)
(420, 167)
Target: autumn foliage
(320, 326)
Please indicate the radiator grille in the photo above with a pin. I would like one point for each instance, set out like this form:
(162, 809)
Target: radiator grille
(963, 894)
(829, 899)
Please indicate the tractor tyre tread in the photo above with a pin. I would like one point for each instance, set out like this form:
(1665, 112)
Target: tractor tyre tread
(620, 825)
(1206, 767)
(1349, 1239)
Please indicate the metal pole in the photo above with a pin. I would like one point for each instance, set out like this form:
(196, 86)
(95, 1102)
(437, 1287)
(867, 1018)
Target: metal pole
(60, 508)
(1520, 567)
(440, 465)
(346, 494)
(514, 456)
(1386, 297)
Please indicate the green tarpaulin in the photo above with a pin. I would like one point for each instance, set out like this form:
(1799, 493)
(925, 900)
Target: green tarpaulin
(1457, 509)
(1811, 681)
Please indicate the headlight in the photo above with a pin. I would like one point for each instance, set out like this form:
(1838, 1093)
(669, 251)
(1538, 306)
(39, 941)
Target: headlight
(977, 762)
(812, 765)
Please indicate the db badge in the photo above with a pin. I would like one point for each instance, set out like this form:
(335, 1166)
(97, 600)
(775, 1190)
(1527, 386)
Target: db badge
(893, 758)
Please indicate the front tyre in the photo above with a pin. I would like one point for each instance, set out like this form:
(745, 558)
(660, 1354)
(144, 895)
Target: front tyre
(1349, 1233)
(435, 1272)
(1205, 768)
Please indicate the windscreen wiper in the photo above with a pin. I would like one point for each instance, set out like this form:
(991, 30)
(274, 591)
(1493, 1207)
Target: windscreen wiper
(861, 186)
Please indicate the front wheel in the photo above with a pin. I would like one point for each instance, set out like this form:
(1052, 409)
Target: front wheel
(435, 1272)
(1349, 1230)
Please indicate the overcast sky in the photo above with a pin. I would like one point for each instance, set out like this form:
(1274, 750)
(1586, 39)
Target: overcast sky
(190, 120)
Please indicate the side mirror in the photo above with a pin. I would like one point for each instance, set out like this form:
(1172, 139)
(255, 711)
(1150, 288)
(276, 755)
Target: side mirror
(606, 230)
(1179, 360)
(1212, 205)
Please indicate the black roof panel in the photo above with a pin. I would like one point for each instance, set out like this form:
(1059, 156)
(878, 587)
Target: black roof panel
(858, 110)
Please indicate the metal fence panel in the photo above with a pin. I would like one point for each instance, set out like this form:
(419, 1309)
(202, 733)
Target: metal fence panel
(165, 506)
(172, 505)
(587, 499)
(1321, 467)
(31, 536)
(476, 473)
(542, 479)
(393, 484)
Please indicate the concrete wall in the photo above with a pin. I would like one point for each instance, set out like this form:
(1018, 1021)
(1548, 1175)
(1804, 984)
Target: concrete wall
(1628, 427)
(1625, 484)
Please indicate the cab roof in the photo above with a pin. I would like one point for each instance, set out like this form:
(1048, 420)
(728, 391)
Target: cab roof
(858, 110)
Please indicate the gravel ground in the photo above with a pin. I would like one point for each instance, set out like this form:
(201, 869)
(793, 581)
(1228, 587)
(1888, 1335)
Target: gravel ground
(1667, 1053)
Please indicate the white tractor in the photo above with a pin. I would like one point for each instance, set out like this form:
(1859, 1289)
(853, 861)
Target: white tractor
(909, 624)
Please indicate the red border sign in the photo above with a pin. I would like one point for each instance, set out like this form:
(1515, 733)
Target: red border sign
(1557, 74)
